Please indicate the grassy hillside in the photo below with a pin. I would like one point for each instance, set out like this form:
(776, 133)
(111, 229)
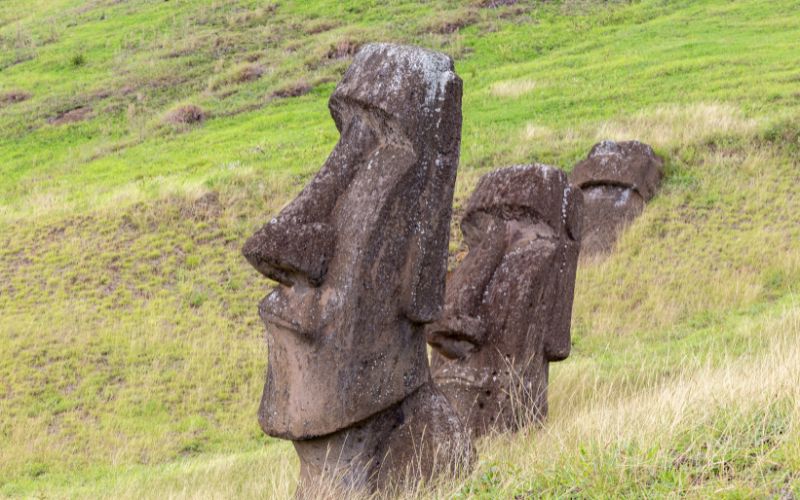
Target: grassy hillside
(131, 354)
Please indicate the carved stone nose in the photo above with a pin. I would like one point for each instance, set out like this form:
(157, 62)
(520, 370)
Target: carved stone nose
(287, 251)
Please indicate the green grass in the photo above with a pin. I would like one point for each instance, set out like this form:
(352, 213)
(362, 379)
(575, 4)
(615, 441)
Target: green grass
(132, 357)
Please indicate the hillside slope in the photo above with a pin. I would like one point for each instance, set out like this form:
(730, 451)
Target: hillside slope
(131, 354)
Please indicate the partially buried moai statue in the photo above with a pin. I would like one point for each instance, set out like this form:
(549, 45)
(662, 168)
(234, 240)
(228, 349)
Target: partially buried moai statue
(360, 257)
(509, 303)
(617, 179)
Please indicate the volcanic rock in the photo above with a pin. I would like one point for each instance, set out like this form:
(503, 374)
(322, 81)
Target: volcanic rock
(617, 179)
(360, 257)
(509, 303)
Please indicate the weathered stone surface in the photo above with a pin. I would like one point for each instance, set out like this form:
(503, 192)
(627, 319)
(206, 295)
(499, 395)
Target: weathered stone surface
(418, 437)
(360, 256)
(617, 179)
(509, 303)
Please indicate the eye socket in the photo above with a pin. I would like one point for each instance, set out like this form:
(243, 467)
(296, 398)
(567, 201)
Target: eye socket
(477, 225)
(516, 221)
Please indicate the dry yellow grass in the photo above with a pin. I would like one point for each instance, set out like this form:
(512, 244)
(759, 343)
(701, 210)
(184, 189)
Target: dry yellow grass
(745, 232)
(663, 127)
(679, 125)
(132, 354)
(513, 88)
(718, 419)
(668, 425)
(717, 241)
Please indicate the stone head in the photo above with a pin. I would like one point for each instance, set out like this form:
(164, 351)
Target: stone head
(508, 304)
(360, 255)
(617, 179)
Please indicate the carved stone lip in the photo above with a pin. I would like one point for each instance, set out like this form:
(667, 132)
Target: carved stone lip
(470, 329)
(285, 324)
(277, 309)
(475, 378)
(460, 381)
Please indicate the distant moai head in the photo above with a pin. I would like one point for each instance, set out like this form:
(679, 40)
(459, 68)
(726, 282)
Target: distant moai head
(617, 179)
(360, 255)
(508, 304)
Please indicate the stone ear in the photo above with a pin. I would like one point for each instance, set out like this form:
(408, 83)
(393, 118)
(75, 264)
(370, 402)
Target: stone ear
(423, 287)
(287, 251)
(426, 264)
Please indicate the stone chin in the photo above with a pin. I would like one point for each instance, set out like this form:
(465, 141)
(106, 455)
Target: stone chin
(312, 390)
(481, 398)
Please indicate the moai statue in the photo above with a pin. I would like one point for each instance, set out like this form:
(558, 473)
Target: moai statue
(617, 179)
(509, 303)
(360, 257)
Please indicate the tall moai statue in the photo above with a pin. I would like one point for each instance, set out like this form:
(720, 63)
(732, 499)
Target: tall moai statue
(360, 257)
(617, 179)
(509, 303)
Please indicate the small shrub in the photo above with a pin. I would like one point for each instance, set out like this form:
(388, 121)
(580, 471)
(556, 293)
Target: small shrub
(321, 26)
(250, 18)
(248, 73)
(295, 89)
(243, 73)
(186, 114)
(203, 208)
(78, 60)
(78, 114)
(451, 22)
(14, 96)
(192, 261)
(493, 4)
(37, 469)
(343, 48)
(196, 299)
(785, 133)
